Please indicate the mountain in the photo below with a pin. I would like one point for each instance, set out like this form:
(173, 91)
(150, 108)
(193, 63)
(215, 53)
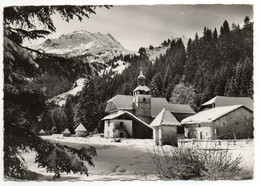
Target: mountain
(92, 46)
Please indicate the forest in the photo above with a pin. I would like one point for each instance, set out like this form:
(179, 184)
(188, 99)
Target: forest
(218, 63)
(214, 64)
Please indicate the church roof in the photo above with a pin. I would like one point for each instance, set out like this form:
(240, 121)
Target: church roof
(165, 118)
(180, 108)
(81, 128)
(220, 101)
(125, 102)
(208, 116)
(143, 88)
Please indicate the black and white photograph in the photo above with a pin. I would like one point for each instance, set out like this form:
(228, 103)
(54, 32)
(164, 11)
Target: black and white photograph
(126, 92)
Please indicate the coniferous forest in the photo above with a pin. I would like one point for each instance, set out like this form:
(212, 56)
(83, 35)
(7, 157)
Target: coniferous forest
(218, 63)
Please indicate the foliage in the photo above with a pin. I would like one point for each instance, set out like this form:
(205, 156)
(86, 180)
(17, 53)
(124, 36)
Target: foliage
(88, 109)
(195, 163)
(24, 104)
(54, 157)
(214, 64)
(183, 94)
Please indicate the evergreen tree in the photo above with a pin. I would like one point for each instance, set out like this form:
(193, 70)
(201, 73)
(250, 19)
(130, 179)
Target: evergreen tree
(23, 108)
(215, 35)
(68, 109)
(88, 109)
(157, 85)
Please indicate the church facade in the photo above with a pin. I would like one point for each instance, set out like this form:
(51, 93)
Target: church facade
(131, 116)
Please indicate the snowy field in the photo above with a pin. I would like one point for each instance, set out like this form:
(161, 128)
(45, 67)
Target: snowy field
(130, 159)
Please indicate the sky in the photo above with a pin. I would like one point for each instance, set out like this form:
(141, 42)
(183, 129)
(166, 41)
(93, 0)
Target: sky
(138, 26)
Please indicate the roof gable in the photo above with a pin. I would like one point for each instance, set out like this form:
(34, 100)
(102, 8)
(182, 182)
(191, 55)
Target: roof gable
(120, 113)
(208, 116)
(81, 128)
(164, 118)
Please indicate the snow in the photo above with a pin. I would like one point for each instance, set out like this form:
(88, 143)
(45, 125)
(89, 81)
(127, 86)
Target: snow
(130, 159)
(155, 53)
(80, 128)
(120, 67)
(61, 98)
(210, 115)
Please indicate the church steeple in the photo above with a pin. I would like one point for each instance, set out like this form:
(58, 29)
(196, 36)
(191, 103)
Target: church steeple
(141, 88)
(141, 78)
(142, 99)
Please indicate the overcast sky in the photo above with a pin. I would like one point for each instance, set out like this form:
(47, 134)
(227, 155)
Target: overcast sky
(136, 26)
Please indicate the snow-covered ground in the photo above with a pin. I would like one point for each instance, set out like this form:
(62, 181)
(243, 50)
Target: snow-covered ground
(130, 159)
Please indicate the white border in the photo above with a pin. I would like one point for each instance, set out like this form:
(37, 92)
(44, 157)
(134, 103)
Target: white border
(255, 181)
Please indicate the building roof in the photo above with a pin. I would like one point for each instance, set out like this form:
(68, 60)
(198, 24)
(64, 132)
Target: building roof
(165, 118)
(180, 108)
(80, 128)
(66, 131)
(42, 131)
(208, 116)
(125, 102)
(120, 113)
(143, 88)
(220, 101)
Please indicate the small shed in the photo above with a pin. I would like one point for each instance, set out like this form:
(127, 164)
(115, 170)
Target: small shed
(165, 128)
(81, 131)
(66, 133)
(42, 132)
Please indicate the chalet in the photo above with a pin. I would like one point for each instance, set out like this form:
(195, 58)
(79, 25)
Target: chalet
(225, 122)
(130, 116)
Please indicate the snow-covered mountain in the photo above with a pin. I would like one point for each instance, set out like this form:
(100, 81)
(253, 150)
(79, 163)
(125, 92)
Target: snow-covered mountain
(92, 46)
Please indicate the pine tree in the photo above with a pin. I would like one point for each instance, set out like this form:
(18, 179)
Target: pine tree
(23, 107)
(68, 109)
(157, 85)
(88, 109)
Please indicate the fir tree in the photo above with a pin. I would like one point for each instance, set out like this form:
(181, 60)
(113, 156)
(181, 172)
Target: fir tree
(157, 85)
(23, 107)
(88, 109)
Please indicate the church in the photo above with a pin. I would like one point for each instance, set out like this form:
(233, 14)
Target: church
(131, 116)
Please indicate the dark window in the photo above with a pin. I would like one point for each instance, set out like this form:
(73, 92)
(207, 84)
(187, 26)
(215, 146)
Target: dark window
(144, 99)
(224, 123)
(245, 117)
(108, 123)
(237, 123)
(199, 125)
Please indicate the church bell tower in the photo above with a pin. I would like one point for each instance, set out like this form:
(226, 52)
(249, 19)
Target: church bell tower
(142, 99)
